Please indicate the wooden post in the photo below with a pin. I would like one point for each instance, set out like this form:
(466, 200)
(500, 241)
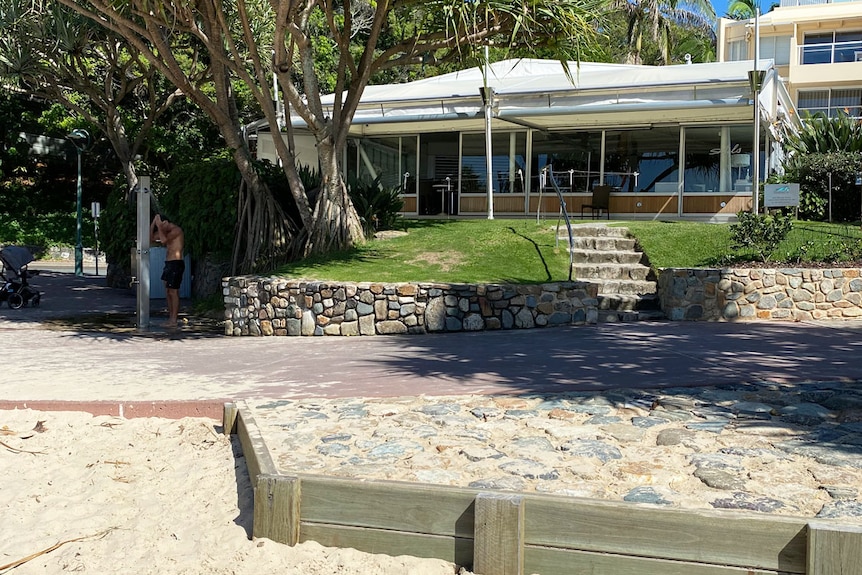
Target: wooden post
(834, 549)
(499, 535)
(229, 418)
(276, 508)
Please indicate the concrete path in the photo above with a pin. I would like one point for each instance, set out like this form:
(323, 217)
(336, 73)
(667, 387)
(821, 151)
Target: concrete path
(123, 364)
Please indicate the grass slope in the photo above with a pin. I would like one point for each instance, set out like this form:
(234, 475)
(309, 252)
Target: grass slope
(524, 251)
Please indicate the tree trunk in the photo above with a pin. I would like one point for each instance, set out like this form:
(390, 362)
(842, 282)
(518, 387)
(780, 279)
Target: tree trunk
(335, 223)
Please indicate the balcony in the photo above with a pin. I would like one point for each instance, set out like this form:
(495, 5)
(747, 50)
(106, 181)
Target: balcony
(831, 53)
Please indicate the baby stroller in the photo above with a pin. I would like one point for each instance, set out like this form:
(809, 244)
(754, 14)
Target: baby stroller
(17, 292)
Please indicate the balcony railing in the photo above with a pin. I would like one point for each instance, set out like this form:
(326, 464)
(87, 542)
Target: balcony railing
(792, 3)
(831, 53)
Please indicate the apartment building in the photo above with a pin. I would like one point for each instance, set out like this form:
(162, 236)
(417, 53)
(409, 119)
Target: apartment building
(816, 46)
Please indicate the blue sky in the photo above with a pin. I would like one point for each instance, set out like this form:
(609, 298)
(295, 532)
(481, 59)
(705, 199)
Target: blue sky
(720, 6)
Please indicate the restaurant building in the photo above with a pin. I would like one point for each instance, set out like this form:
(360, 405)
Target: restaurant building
(671, 142)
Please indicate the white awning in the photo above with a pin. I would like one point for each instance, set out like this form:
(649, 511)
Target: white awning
(541, 94)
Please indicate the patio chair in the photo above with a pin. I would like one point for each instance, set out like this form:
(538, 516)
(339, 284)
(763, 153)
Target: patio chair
(600, 201)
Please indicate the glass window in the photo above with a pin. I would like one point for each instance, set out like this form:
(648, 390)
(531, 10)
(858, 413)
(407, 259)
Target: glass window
(832, 47)
(777, 48)
(574, 159)
(737, 50)
(848, 46)
(847, 101)
(702, 159)
(384, 158)
(741, 167)
(438, 173)
(832, 102)
(817, 48)
(642, 160)
(813, 101)
(508, 163)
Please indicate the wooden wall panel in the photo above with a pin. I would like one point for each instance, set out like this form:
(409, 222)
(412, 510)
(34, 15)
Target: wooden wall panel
(711, 204)
(409, 205)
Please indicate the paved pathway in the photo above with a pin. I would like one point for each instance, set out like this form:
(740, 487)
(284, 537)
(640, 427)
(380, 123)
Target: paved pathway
(124, 364)
(616, 388)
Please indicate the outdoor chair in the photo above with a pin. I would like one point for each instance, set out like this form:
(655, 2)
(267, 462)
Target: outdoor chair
(600, 201)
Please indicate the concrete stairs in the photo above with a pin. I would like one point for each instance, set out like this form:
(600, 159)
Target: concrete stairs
(608, 256)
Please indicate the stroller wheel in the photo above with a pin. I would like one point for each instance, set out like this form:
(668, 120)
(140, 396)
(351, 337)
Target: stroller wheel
(16, 300)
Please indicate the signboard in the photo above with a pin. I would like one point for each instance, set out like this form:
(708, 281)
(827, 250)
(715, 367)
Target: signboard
(780, 195)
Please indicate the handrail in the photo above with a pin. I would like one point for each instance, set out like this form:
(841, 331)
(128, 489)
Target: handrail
(564, 214)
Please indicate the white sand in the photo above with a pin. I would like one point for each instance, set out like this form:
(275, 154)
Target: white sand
(145, 496)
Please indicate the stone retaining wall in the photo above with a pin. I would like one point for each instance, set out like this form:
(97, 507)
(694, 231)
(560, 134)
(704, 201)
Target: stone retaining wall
(278, 306)
(793, 294)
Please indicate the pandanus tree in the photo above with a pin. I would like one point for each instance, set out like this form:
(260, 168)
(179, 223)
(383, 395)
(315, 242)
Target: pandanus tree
(204, 47)
(50, 52)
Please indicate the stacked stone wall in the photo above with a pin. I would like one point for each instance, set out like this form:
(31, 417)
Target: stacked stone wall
(793, 294)
(278, 306)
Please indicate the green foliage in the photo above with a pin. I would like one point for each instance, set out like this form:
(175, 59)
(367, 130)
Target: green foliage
(760, 233)
(824, 134)
(201, 198)
(309, 176)
(378, 207)
(820, 175)
(117, 226)
(824, 158)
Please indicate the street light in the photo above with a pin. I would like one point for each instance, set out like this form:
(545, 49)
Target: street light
(80, 139)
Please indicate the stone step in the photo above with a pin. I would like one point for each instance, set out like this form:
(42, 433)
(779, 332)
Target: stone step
(613, 316)
(594, 231)
(601, 257)
(625, 287)
(629, 302)
(608, 257)
(602, 243)
(610, 271)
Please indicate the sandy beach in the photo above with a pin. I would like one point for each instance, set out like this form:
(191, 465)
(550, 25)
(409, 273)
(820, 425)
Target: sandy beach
(102, 494)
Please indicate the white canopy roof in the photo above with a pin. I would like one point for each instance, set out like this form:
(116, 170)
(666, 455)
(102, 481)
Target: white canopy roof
(541, 94)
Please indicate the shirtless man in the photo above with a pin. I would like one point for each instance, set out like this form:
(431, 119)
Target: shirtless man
(171, 236)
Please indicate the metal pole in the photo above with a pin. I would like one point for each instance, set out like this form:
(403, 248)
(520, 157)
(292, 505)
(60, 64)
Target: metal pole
(755, 155)
(79, 247)
(96, 231)
(489, 158)
(489, 153)
(143, 253)
(95, 209)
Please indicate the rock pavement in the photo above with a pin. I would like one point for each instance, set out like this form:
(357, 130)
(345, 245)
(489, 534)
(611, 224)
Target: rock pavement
(790, 449)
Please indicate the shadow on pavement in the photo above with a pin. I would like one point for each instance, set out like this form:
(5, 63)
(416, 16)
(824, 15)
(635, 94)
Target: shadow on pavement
(87, 306)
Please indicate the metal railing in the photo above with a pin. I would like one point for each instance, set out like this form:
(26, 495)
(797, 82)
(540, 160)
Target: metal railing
(830, 53)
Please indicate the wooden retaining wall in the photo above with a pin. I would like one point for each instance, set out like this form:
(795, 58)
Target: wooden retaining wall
(505, 533)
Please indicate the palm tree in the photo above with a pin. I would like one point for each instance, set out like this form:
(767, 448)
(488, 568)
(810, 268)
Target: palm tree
(654, 20)
(742, 9)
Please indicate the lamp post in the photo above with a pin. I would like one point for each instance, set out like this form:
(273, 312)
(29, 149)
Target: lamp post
(755, 79)
(80, 139)
(488, 104)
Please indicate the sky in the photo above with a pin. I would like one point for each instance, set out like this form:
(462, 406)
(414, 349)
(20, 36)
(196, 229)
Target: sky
(720, 6)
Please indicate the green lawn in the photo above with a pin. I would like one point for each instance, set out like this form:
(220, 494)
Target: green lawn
(454, 251)
(694, 244)
(522, 251)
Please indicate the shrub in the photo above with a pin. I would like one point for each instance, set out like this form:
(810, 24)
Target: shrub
(377, 206)
(818, 174)
(760, 233)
